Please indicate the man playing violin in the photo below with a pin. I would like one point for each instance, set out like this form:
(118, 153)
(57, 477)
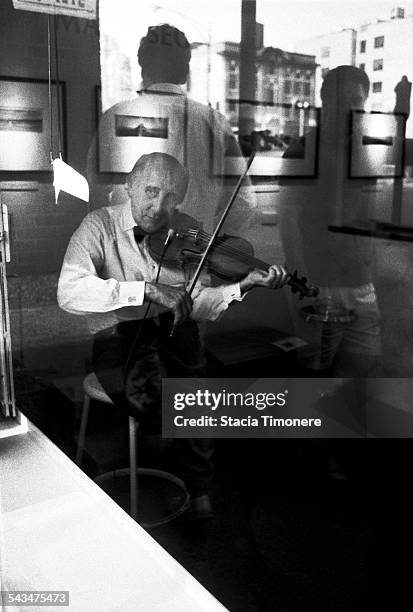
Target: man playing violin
(110, 276)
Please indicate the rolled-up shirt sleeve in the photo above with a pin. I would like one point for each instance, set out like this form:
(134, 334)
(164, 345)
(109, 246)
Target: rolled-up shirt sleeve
(80, 290)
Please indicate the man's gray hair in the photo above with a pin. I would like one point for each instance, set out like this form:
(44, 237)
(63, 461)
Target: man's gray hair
(150, 159)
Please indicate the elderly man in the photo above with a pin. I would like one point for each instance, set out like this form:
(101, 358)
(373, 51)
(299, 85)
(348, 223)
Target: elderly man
(110, 276)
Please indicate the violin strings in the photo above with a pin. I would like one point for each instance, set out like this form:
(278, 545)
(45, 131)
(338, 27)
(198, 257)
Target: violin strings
(242, 255)
(245, 257)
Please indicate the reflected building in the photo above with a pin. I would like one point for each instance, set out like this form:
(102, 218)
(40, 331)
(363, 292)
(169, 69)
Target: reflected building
(330, 50)
(383, 48)
(287, 80)
(283, 78)
(385, 51)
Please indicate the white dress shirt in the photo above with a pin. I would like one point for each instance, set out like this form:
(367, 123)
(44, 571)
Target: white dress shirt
(104, 272)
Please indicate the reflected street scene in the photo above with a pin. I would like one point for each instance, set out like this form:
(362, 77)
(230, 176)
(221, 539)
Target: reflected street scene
(206, 248)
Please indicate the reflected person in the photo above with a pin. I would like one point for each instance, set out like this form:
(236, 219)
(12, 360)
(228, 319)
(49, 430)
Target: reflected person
(349, 344)
(196, 134)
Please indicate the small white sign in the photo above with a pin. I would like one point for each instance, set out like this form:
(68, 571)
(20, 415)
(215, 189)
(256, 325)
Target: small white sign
(73, 8)
(290, 343)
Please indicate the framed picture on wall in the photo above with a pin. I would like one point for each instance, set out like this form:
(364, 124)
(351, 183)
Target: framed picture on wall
(283, 136)
(25, 124)
(153, 122)
(377, 145)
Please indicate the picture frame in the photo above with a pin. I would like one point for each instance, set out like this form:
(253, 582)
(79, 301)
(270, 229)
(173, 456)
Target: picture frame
(25, 123)
(285, 140)
(376, 144)
(153, 122)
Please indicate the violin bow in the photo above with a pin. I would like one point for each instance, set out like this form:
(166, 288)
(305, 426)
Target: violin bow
(219, 225)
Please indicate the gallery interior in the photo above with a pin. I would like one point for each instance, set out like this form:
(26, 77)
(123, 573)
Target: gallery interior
(319, 107)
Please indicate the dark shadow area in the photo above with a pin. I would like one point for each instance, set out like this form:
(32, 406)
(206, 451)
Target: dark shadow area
(290, 530)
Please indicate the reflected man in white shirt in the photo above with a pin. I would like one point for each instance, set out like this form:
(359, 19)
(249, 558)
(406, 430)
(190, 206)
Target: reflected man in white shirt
(162, 117)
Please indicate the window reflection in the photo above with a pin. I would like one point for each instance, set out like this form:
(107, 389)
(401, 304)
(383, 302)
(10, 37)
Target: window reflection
(321, 162)
(292, 60)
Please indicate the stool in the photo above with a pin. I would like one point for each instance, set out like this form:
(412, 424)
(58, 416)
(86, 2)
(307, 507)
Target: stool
(94, 390)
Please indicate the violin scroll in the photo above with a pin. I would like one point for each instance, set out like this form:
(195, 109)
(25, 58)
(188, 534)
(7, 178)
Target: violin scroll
(299, 285)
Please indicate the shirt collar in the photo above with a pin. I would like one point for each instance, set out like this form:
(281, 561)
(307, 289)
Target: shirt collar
(171, 88)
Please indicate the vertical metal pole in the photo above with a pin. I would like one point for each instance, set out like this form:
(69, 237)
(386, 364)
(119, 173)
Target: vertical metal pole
(7, 400)
(83, 426)
(49, 66)
(133, 469)
(247, 81)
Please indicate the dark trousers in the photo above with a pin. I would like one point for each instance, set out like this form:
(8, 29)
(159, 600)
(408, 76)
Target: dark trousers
(130, 361)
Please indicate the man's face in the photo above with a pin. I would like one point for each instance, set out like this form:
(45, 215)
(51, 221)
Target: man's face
(155, 192)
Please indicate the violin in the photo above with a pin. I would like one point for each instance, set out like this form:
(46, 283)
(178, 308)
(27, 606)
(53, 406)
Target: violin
(230, 258)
